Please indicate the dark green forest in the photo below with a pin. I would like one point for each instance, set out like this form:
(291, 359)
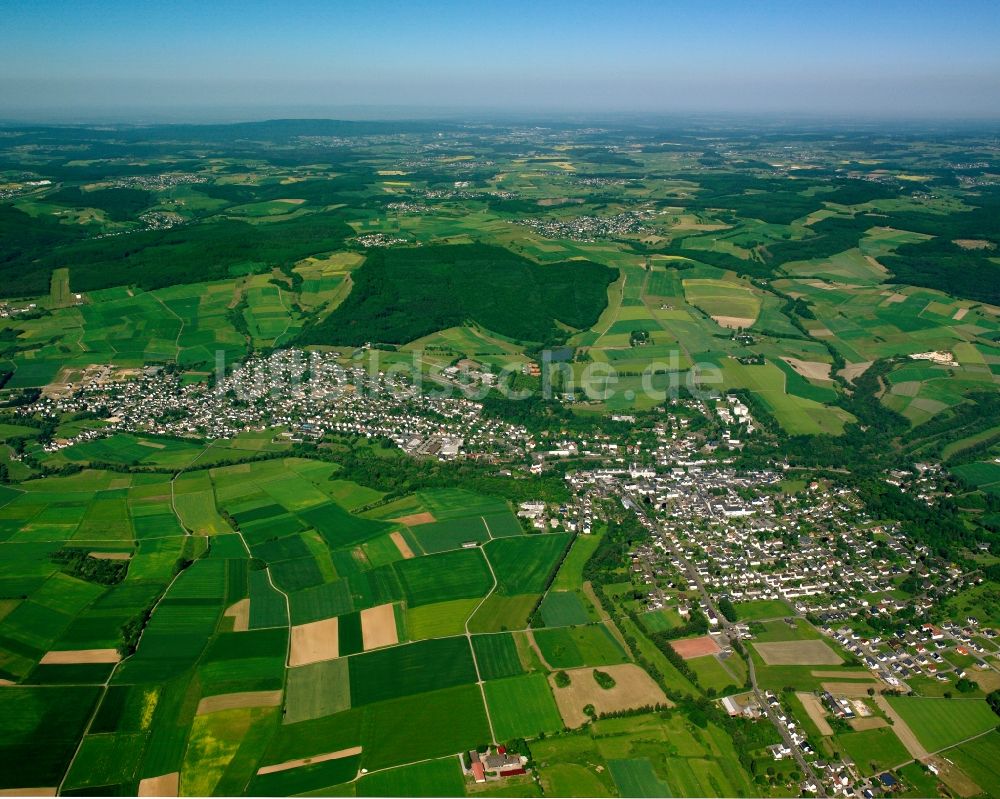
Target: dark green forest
(403, 294)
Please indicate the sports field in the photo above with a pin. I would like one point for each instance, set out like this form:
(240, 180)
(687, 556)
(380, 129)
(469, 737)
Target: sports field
(689, 648)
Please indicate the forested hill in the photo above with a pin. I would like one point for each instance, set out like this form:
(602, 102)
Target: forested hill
(403, 294)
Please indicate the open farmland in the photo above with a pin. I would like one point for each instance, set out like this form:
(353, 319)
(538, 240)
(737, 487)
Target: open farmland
(269, 525)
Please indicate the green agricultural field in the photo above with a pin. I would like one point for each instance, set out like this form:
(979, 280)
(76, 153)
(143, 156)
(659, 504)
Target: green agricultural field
(939, 723)
(571, 647)
(873, 750)
(317, 690)
(42, 730)
(410, 669)
(500, 613)
(497, 656)
(449, 503)
(450, 533)
(423, 726)
(683, 760)
(462, 574)
(724, 301)
(797, 415)
(522, 707)
(635, 777)
(338, 527)
(979, 760)
(432, 778)
(711, 673)
(524, 565)
(440, 619)
(656, 621)
(761, 609)
(570, 574)
(564, 609)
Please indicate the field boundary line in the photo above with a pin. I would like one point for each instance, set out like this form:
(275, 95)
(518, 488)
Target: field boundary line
(468, 637)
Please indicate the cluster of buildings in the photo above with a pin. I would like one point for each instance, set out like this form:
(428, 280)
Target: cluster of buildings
(816, 550)
(494, 764)
(577, 516)
(310, 397)
(165, 180)
(590, 228)
(922, 650)
(408, 208)
(161, 220)
(7, 310)
(370, 240)
(18, 187)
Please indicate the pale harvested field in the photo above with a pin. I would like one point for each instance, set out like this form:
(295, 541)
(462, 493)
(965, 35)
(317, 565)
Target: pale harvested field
(974, 244)
(988, 680)
(307, 761)
(69, 656)
(814, 709)
(903, 732)
(823, 332)
(240, 613)
(854, 370)
(876, 265)
(165, 785)
(814, 370)
(892, 297)
(415, 519)
(548, 201)
(110, 555)
(401, 545)
(831, 285)
(956, 779)
(851, 690)
(314, 642)
(633, 688)
(212, 704)
(908, 388)
(733, 322)
(867, 723)
(378, 627)
(960, 314)
(689, 648)
(6, 682)
(797, 653)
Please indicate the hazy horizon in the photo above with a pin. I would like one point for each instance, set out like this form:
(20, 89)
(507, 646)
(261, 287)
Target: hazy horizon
(222, 61)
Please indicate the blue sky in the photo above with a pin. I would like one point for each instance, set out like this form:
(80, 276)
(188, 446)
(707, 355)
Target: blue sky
(217, 57)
